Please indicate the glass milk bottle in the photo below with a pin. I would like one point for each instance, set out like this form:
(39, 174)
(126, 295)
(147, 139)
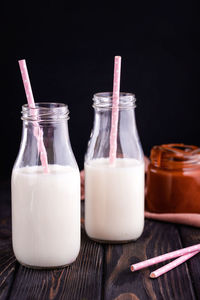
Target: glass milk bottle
(114, 194)
(46, 206)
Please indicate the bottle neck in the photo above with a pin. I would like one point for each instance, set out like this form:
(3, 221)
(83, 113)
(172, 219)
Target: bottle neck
(50, 120)
(44, 112)
(102, 104)
(128, 144)
(104, 101)
(126, 119)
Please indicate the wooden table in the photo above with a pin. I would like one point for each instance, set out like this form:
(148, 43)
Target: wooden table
(102, 271)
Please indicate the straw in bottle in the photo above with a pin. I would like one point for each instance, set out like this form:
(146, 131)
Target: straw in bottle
(38, 132)
(115, 110)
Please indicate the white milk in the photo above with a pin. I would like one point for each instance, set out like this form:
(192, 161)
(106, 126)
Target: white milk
(114, 199)
(46, 215)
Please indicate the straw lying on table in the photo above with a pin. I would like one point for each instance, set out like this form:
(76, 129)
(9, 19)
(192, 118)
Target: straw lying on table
(175, 263)
(184, 254)
(38, 132)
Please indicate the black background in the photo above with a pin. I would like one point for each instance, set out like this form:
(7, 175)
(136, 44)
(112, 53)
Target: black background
(70, 51)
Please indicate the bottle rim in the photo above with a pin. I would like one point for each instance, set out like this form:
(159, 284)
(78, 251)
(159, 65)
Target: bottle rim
(45, 112)
(104, 100)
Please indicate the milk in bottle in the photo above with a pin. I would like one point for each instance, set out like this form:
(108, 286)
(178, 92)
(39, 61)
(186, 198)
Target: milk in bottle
(114, 194)
(46, 206)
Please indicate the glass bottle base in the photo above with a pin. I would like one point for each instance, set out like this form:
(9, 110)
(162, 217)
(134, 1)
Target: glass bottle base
(112, 242)
(44, 268)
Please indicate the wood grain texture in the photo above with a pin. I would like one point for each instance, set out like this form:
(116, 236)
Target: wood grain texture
(81, 280)
(7, 268)
(7, 259)
(158, 238)
(191, 236)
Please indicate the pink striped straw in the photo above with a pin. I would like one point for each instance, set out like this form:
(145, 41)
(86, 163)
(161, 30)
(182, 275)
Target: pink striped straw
(172, 265)
(115, 110)
(161, 258)
(38, 132)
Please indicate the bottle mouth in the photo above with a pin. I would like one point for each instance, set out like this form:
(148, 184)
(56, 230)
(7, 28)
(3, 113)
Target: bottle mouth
(104, 100)
(175, 156)
(45, 112)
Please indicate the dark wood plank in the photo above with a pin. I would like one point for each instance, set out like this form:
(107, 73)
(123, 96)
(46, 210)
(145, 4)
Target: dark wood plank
(7, 268)
(7, 259)
(191, 236)
(120, 283)
(81, 280)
